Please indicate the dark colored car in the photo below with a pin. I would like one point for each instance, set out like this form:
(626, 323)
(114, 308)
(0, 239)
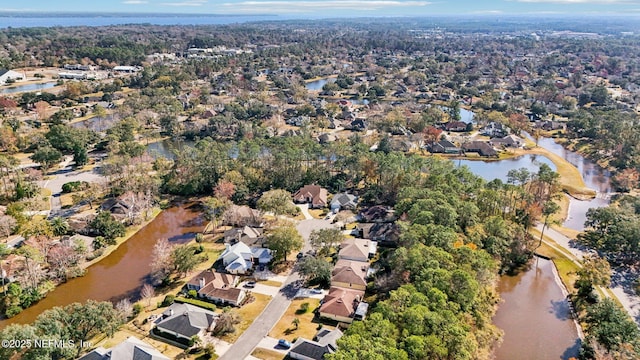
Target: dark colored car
(284, 343)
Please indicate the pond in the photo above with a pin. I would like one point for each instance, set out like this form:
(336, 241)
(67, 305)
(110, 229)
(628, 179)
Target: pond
(498, 169)
(316, 85)
(165, 147)
(125, 270)
(27, 87)
(535, 316)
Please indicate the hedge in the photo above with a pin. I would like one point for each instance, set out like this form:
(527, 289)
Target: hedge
(200, 303)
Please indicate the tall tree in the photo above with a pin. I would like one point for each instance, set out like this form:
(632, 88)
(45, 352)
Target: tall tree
(284, 240)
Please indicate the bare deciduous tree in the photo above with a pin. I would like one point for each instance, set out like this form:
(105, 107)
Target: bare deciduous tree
(147, 293)
(161, 262)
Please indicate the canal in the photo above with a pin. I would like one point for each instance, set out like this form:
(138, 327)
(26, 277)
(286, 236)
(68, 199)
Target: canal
(535, 316)
(123, 272)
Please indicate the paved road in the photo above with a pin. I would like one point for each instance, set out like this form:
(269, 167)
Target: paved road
(622, 279)
(278, 305)
(64, 175)
(265, 321)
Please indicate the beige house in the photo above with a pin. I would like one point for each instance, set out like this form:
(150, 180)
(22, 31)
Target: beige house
(314, 195)
(357, 249)
(340, 304)
(350, 274)
(217, 287)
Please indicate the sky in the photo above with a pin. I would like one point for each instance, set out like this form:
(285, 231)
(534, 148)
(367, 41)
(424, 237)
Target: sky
(314, 8)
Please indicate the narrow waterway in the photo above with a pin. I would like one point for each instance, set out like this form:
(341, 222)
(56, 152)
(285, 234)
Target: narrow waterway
(594, 176)
(124, 271)
(535, 316)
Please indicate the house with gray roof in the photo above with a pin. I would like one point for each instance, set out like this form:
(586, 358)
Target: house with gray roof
(343, 201)
(323, 343)
(183, 321)
(130, 349)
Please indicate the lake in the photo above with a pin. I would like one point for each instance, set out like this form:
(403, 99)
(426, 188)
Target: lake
(498, 169)
(26, 87)
(316, 85)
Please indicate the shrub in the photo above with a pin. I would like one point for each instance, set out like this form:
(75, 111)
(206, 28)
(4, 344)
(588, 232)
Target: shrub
(196, 302)
(168, 300)
(70, 186)
(193, 294)
(137, 309)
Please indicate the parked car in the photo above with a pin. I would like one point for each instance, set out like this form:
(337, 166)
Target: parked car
(316, 291)
(284, 343)
(300, 255)
(250, 284)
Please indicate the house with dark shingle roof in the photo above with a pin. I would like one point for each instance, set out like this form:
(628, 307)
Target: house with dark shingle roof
(480, 147)
(325, 342)
(343, 201)
(184, 321)
(130, 349)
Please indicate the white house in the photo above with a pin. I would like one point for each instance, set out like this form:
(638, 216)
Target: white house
(6, 75)
(239, 257)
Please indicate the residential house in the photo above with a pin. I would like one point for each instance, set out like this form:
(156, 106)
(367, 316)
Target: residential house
(507, 141)
(334, 123)
(358, 125)
(122, 207)
(251, 236)
(325, 342)
(130, 349)
(183, 321)
(456, 126)
(377, 213)
(386, 234)
(350, 274)
(6, 76)
(357, 249)
(494, 129)
(343, 201)
(217, 287)
(239, 257)
(340, 304)
(443, 147)
(480, 147)
(242, 216)
(326, 138)
(314, 195)
(11, 267)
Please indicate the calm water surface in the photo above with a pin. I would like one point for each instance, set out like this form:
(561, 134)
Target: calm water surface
(124, 271)
(491, 170)
(535, 316)
(27, 87)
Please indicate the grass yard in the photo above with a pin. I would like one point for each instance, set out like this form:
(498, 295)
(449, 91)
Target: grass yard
(307, 329)
(566, 267)
(270, 283)
(248, 313)
(570, 177)
(318, 213)
(266, 354)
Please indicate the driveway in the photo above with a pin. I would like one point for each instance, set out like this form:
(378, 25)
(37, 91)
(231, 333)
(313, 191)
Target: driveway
(261, 289)
(622, 279)
(64, 175)
(265, 321)
(272, 344)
